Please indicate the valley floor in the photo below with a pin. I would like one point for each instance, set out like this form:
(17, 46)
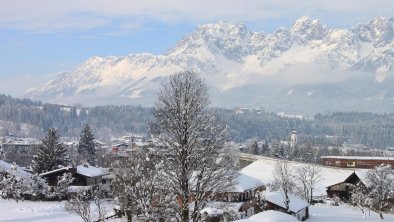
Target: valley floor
(28, 211)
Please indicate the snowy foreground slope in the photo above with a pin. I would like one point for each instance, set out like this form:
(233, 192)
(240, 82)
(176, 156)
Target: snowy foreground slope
(28, 211)
(11, 211)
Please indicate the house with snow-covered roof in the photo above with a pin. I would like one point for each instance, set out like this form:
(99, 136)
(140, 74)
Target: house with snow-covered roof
(254, 178)
(84, 175)
(297, 206)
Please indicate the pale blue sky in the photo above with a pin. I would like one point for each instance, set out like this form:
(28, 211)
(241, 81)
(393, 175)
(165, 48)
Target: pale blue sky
(43, 37)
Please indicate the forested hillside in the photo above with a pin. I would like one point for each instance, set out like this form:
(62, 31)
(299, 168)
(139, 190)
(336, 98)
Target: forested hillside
(23, 117)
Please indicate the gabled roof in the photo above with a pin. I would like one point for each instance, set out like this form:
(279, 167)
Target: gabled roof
(296, 204)
(358, 157)
(88, 171)
(272, 216)
(91, 171)
(245, 182)
(55, 171)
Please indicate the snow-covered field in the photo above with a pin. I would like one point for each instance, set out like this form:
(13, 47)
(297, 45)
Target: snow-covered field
(343, 213)
(28, 211)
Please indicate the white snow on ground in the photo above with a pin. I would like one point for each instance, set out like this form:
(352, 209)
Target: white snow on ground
(38, 211)
(343, 213)
(263, 168)
(27, 211)
(270, 216)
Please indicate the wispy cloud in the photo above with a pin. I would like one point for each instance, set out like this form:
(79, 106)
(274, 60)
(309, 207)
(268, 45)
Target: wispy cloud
(18, 85)
(49, 15)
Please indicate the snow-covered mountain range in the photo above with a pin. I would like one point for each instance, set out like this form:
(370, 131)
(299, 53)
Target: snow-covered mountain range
(292, 69)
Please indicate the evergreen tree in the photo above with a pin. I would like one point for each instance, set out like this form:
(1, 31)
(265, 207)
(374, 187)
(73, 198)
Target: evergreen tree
(51, 154)
(86, 145)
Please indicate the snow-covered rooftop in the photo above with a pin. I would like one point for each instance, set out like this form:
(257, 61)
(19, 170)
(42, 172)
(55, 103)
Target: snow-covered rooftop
(270, 216)
(7, 167)
(362, 174)
(88, 171)
(211, 211)
(91, 171)
(246, 182)
(358, 157)
(77, 189)
(225, 206)
(56, 170)
(263, 168)
(296, 204)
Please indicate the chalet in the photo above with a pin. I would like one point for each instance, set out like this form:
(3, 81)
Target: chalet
(84, 175)
(343, 189)
(297, 206)
(365, 162)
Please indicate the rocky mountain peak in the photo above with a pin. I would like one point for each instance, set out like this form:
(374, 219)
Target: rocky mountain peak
(230, 56)
(379, 31)
(230, 40)
(308, 29)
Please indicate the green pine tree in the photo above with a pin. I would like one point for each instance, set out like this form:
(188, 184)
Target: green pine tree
(86, 145)
(51, 154)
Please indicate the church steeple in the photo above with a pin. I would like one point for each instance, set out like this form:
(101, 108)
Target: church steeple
(293, 138)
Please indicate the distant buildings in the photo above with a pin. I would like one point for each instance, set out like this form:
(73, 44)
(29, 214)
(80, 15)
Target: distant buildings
(242, 110)
(366, 162)
(19, 150)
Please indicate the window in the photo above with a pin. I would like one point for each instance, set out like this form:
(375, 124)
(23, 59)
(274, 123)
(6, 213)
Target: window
(103, 181)
(337, 162)
(351, 164)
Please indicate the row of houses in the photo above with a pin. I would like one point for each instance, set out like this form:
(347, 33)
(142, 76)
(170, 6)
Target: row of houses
(253, 180)
(240, 201)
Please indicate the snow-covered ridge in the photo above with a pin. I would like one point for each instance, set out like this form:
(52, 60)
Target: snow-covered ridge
(229, 56)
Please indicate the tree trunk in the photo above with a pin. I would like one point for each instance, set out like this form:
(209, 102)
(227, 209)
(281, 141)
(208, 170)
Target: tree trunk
(129, 216)
(381, 215)
(185, 215)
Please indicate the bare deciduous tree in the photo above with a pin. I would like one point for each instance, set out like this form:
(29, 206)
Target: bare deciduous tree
(80, 204)
(138, 187)
(197, 165)
(380, 185)
(307, 177)
(283, 181)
